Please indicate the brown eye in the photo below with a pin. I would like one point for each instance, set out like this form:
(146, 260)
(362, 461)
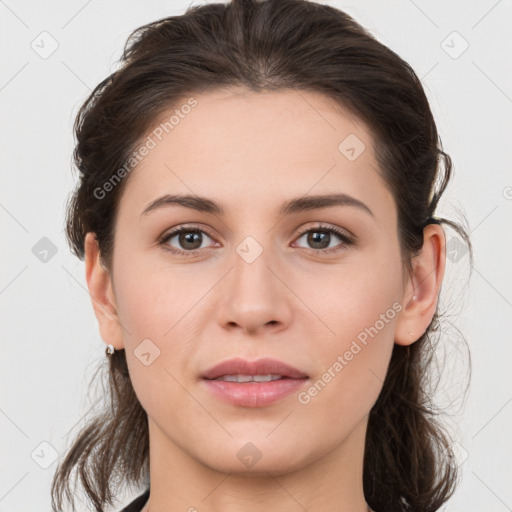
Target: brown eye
(189, 239)
(319, 238)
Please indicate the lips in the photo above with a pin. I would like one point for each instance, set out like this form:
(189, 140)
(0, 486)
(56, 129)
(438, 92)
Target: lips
(264, 366)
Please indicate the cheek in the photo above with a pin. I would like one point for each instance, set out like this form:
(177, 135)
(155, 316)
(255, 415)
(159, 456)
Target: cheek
(151, 299)
(347, 301)
(353, 363)
(159, 308)
(358, 309)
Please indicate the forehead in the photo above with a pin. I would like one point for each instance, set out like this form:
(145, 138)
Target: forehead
(243, 147)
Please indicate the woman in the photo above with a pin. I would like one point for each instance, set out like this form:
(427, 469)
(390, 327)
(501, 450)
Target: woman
(256, 211)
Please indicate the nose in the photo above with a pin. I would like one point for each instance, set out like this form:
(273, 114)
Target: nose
(254, 296)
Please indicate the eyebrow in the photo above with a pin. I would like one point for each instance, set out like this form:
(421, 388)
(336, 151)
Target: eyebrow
(293, 206)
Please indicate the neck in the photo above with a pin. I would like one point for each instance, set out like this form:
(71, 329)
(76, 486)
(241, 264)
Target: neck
(180, 480)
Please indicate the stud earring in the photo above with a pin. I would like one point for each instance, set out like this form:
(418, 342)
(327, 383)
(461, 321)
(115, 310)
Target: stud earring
(109, 350)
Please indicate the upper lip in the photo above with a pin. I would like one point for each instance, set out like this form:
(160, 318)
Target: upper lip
(264, 366)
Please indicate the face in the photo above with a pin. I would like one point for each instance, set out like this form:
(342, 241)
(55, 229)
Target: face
(318, 288)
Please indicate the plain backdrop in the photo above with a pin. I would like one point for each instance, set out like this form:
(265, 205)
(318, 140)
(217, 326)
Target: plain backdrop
(54, 53)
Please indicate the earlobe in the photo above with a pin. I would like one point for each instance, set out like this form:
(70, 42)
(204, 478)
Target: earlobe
(101, 293)
(423, 286)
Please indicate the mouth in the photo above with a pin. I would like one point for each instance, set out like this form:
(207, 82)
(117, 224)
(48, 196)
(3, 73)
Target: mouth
(250, 378)
(261, 370)
(253, 383)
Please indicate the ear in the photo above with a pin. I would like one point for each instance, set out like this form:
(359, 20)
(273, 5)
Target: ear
(102, 294)
(422, 287)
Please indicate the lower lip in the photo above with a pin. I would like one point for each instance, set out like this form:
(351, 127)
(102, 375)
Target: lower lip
(253, 394)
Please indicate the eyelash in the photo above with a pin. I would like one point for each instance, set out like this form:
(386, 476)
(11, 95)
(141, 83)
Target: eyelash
(347, 240)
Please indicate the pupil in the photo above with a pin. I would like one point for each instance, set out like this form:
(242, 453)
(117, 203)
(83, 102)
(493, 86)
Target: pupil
(314, 238)
(190, 237)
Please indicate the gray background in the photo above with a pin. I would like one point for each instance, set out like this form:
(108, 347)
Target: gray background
(49, 336)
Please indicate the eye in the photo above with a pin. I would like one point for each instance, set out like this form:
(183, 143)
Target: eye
(190, 238)
(320, 238)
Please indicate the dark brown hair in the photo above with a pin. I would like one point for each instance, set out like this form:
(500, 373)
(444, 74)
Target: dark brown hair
(268, 46)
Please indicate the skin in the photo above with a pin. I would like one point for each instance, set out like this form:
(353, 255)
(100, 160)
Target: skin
(250, 152)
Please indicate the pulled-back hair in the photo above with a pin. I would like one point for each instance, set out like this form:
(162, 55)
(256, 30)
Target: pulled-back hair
(269, 45)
